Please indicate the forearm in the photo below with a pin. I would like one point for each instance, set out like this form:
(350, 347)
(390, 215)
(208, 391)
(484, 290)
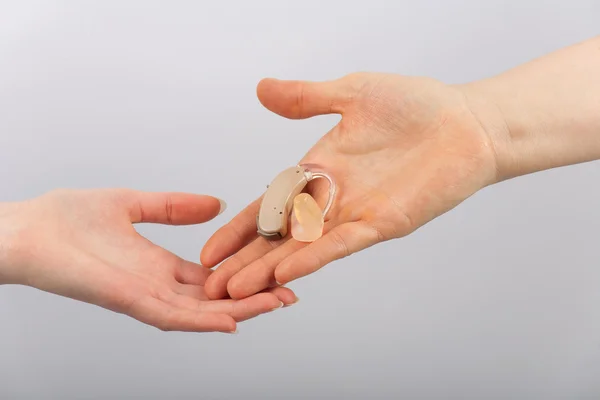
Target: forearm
(551, 110)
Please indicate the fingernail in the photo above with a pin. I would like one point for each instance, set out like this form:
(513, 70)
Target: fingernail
(223, 206)
(294, 302)
(278, 307)
(233, 332)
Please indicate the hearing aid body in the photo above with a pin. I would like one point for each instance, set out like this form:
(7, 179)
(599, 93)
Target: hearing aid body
(273, 215)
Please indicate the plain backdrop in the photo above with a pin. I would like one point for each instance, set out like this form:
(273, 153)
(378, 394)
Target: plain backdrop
(497, 299)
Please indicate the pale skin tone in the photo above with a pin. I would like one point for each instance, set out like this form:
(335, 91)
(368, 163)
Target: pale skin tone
(82, 244)
(408, 149)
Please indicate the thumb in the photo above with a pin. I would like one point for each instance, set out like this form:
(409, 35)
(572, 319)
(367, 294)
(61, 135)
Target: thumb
(172, 208)
(304, 99)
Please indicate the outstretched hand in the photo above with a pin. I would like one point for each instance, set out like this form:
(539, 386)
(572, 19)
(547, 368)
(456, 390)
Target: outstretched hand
(82, 244)
(405, 151)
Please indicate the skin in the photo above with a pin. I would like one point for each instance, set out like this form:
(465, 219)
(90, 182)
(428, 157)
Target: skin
(82, 244)
(407, 150)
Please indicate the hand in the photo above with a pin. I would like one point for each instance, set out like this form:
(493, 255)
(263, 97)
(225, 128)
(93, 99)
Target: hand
(405, 151)
(82, 245)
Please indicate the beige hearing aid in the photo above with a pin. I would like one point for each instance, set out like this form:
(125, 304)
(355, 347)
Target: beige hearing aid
(273, 215)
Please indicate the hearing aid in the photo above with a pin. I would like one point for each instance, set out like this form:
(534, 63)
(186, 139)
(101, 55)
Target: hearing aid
(277, 202)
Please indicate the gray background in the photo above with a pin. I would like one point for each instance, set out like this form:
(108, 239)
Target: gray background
(497, 299)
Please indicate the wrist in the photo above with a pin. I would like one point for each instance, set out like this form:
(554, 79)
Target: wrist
(499, 123)
(538, 116)
(9, 265)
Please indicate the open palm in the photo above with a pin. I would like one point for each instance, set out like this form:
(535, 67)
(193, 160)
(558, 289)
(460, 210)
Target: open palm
(82, 244)
(405, 151)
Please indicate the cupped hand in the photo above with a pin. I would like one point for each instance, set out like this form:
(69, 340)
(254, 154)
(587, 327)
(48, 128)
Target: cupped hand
(407, 149)
(82, 244)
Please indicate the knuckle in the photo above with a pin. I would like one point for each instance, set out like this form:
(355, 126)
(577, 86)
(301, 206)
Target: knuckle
(169, 209)
(379, 234)
(404, 223)
(395, 220)
(236, 231)
(399, 225)
(230, 267)
(317, 261)
(238, 310)
(300, 99)
(340, 244)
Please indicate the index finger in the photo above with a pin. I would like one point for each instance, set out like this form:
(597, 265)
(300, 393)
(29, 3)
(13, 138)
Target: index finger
(232, 237)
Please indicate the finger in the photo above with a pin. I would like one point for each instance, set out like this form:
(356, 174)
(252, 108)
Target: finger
(303, 99)
(239, 310)
(230, 238)
(242, 310)
(166, 317)
(173, 208)
(241, 230)
(216, 283)
(339, 242)
(260, 274)
(191, 273)
(285, 295)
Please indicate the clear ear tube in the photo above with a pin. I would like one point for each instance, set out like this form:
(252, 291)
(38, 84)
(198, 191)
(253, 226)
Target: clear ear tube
(285, 197)
(314, 171)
